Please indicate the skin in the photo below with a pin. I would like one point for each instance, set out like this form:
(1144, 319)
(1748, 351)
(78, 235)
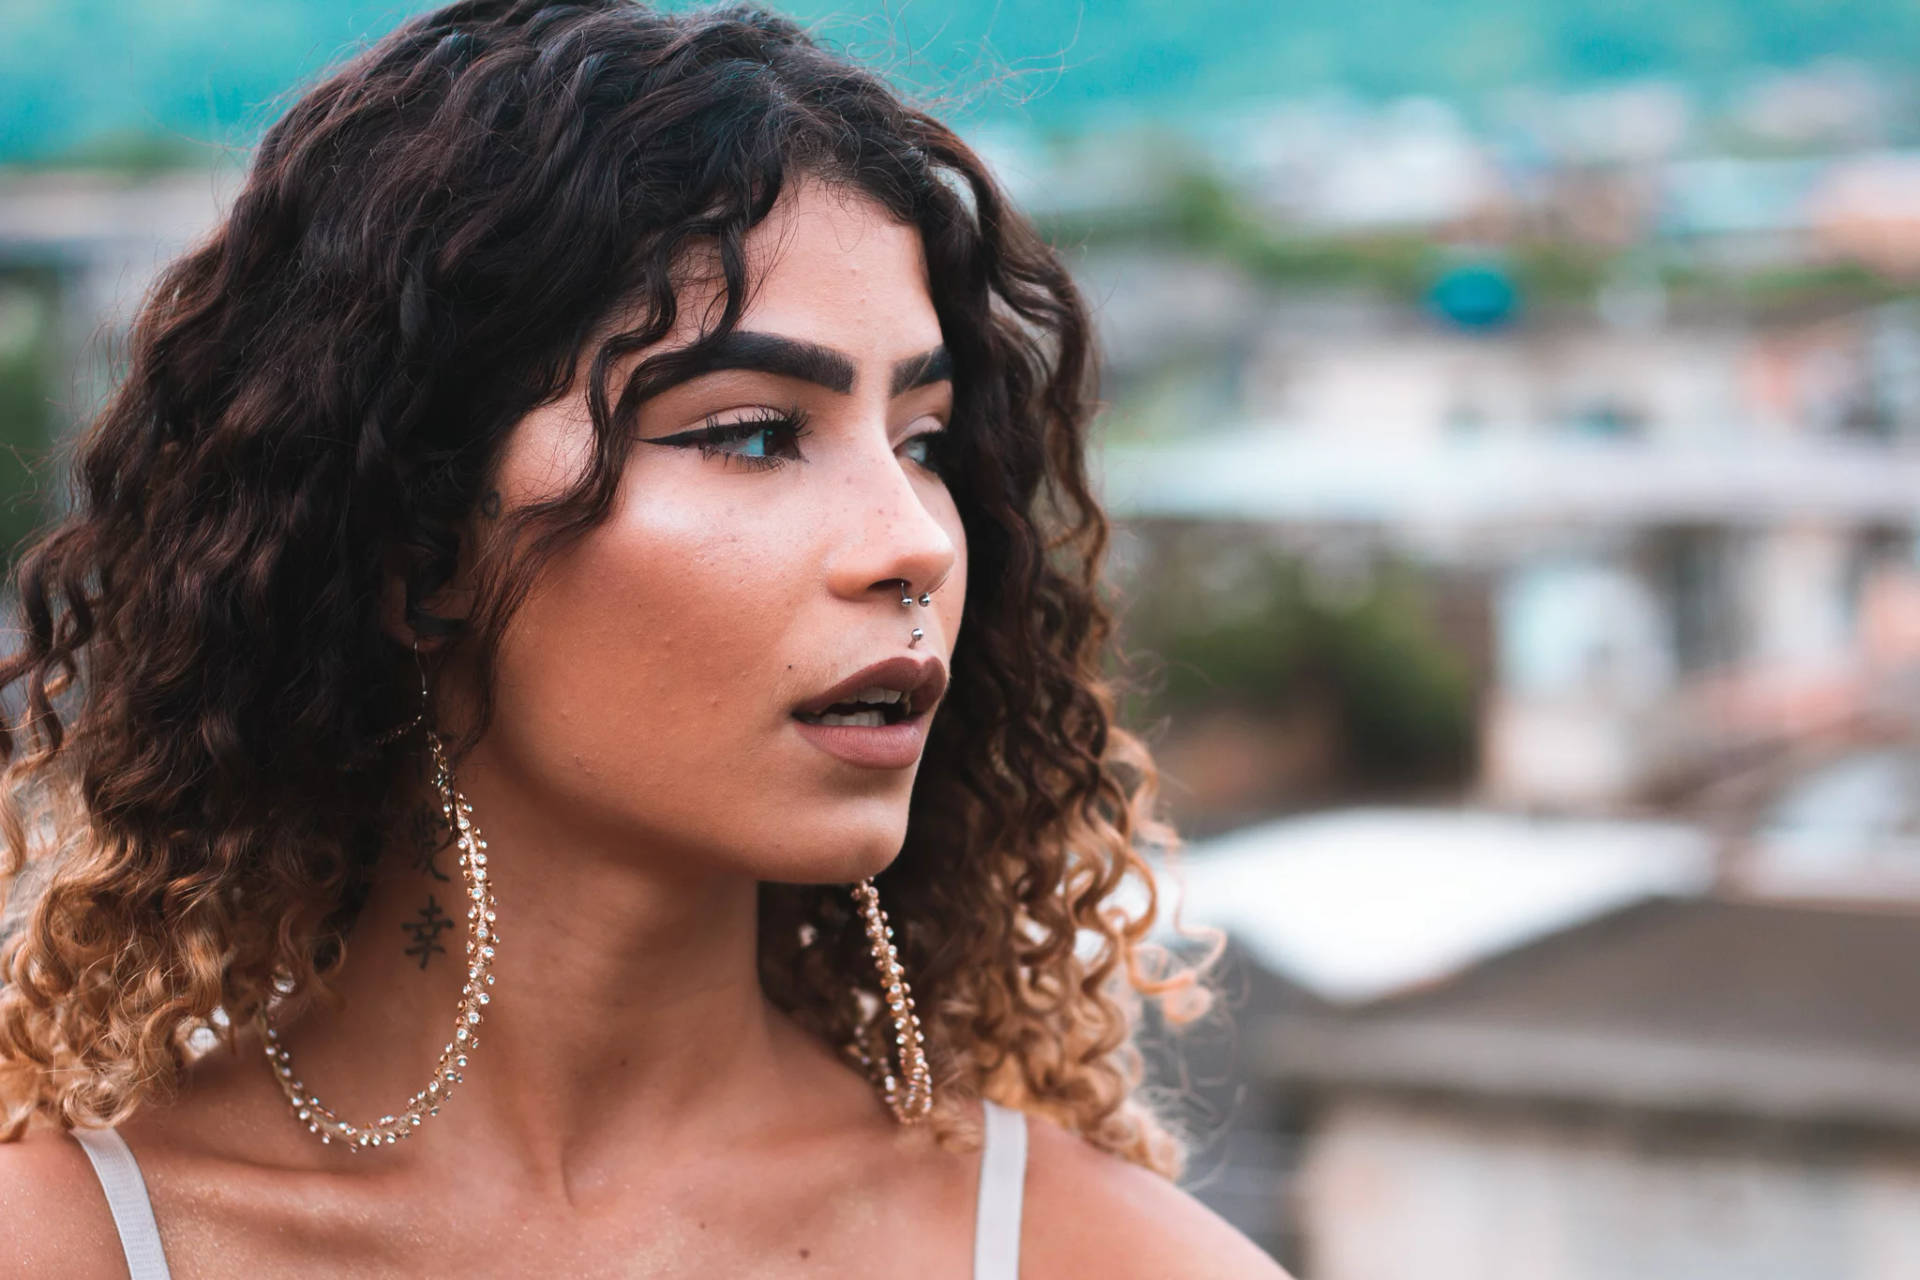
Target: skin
(613, 1130)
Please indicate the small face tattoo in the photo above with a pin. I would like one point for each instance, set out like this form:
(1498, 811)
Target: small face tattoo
(490, 504)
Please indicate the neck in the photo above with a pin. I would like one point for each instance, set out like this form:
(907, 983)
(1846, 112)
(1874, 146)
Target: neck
(626, 996)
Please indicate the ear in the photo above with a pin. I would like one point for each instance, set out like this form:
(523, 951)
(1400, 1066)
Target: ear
(393, 599)
(452, 600)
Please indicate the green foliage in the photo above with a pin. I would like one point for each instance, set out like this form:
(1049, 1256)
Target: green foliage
(1845, 283)
(129, 152)
(1223, 622)
(27, 417)
(1200, 212)
(1407, 700)
(1203, 213)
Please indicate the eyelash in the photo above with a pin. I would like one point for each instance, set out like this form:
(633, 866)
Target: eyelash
(792, 422)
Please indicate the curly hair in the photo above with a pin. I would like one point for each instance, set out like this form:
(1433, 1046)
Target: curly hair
(427, 245)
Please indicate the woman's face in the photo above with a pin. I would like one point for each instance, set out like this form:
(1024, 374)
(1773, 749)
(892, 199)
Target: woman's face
(648, 687)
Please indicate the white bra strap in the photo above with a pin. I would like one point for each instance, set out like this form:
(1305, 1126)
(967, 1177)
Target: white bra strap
(127, 1198)
(1003, 1171)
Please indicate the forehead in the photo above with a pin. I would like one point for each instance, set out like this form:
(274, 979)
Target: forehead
(833, 266)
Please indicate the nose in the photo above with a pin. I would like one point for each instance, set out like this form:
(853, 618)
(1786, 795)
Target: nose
(893, 531)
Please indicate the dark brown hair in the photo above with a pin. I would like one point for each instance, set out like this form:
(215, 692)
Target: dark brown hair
(428, 244)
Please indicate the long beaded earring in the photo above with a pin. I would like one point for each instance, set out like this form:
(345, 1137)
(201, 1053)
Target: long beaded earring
(474, 997)
(913, 1100)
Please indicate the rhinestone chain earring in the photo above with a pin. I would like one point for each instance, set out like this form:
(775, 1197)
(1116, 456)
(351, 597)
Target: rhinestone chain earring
(474, 997)
(912, 1100)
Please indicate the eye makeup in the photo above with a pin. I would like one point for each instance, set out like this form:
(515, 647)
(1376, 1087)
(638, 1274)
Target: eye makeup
(787, 425)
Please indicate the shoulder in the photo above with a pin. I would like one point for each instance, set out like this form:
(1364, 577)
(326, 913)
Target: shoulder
(1089, 1212)
(53, 1214)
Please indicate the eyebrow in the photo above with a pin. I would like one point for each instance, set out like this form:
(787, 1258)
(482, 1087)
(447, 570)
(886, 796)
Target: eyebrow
(810, 362)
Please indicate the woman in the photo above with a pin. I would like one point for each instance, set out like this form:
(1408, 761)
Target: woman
(556, 490)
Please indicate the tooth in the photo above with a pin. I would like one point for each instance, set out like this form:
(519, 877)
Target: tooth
(869, 719)
(877, 693)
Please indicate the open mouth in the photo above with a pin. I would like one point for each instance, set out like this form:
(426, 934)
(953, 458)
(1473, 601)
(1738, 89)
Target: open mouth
(872, 710)
(887, 693)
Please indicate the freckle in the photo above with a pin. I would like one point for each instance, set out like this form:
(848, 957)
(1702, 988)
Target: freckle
(806, 1253)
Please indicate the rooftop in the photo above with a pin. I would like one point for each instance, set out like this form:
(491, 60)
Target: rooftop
(1356, 904)
(1786, 1011)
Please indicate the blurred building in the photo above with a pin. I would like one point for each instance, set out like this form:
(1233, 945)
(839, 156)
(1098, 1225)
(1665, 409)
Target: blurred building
(1331, 912)
(1697, 533)
(1680, 1090)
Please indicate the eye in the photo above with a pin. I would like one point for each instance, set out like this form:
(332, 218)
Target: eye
(771, 437)
(932, 450)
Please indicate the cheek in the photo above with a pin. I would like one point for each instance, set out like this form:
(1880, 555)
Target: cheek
(638, 667)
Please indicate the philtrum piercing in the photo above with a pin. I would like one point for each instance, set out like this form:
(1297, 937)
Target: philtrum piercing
(906, 598)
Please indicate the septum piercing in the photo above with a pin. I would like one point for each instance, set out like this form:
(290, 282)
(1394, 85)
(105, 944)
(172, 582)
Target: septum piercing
(906, 598)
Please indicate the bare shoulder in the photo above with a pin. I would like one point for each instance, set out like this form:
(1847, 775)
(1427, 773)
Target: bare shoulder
(53, 1215)
(1088, 1212)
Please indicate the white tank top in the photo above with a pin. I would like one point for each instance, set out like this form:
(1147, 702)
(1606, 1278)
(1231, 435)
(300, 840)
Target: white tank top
(996, 1223)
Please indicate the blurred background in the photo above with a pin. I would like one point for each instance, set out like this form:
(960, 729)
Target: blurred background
(1513, 429)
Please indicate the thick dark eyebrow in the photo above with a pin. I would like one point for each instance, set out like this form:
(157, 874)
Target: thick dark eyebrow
(810, 362)
(917, 371)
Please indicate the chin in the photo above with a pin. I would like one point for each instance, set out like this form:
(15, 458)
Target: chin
(843, 859)
(830, 840)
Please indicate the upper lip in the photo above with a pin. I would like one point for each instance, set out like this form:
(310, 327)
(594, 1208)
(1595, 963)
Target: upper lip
(923, 680)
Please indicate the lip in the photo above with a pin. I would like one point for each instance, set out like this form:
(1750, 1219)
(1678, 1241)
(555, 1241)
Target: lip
(887, 746)
(923, 679)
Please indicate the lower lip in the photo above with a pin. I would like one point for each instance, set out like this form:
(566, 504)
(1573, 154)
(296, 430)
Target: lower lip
(885, 746)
